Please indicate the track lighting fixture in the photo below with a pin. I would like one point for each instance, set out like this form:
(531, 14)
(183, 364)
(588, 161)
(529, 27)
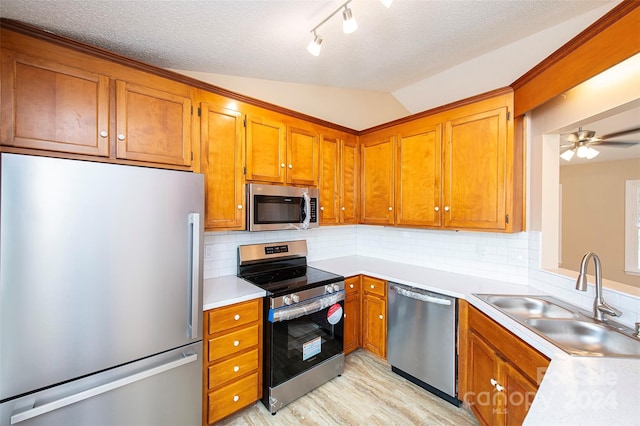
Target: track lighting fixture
(349, 25)
(315, 45)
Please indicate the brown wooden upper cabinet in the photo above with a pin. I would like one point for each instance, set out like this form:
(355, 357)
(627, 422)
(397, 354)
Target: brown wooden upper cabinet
(222, 160)
(418, 175)
(458, 169)
(52, 106)
(277, 153)
(153, 125)
(58, 99)
(338, 180)
(376, 183)
(475, 161)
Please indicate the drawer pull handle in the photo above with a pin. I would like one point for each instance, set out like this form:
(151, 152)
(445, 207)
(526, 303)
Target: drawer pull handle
(373, 286)
(236, 343)
(236, 398)
(236, 369)
(237, 317)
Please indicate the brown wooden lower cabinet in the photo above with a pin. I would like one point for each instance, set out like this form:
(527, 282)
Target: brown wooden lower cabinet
(499, 374)
(351, 314)
(232, 353)
(374, 315)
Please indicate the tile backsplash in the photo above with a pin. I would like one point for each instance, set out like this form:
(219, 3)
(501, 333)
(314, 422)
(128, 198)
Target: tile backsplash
(504, 257)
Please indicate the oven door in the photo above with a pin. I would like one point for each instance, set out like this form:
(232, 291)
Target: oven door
(303, 335)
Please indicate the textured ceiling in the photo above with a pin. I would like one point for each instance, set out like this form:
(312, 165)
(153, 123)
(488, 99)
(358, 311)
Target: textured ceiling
(393, 48)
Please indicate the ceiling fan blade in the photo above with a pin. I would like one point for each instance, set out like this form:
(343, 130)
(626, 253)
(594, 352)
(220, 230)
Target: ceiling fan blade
(620, 133)
(617, 144)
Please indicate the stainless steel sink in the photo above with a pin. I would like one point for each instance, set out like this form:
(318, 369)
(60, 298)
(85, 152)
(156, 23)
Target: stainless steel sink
(586, 336)
(530, 307)
(566, 326)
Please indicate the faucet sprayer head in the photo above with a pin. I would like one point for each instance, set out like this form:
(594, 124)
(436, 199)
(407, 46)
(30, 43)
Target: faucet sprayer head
(581, 282)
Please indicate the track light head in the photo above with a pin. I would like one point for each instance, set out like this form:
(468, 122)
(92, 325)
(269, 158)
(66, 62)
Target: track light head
(315, 45)
(349, 23)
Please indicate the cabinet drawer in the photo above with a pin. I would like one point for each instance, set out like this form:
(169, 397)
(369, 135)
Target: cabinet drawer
(226, 371)
(231, 343)
(352, 285)
(232, 397)
(228, 317)
(374, 286)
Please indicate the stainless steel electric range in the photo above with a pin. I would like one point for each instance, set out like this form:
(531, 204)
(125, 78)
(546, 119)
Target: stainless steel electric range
(303, 319)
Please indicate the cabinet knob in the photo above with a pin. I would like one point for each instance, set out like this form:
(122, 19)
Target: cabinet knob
(282, 164)
(121, 137)
(373, 286)
(493, 382)
(104, 134)
(343, 209)
(291, 166)
(436, 208)
(499, 388)
(350, 285)
(390, 208)
(446, 208)
(321, 208)
(236, 317)
(236, 398)
(381, 316)
(236, 343)
(345, 315)
(239, 206)
(236, 369)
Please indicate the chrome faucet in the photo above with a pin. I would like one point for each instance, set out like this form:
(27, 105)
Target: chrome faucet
(600, 307)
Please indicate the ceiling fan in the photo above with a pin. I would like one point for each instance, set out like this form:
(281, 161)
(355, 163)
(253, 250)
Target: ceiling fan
(580, 143)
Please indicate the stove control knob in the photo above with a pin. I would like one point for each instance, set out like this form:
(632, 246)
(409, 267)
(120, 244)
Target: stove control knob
(328, 288)
(336, 287)
(295, 298)
(286, 300)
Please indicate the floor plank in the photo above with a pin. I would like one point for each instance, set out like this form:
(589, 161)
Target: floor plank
(368, 393)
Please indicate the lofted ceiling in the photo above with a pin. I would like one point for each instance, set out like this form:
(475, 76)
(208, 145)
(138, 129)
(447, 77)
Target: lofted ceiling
(393, 48)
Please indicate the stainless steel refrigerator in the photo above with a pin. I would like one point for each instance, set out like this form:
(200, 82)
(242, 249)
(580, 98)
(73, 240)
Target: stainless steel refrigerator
(100, 293)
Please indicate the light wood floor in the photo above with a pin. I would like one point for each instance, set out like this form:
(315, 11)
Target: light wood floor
(367, 393)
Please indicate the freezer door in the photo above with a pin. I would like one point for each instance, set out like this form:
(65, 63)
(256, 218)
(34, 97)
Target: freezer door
(99, 266)
(161, 390)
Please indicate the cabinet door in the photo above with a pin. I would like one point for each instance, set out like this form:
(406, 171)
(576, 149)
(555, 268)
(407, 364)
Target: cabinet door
(482, 365)
(54, 107)
(221, 162)
(152, 125)
(418, 168)
(374, 324)
(519, 395)
(349, 162)
(475, 153)
(329, 179)
(377, 181)
(266, 150)
(302, 157)
(351, 322)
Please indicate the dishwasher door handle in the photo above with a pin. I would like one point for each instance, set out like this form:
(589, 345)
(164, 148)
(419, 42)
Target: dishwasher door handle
(421, 296)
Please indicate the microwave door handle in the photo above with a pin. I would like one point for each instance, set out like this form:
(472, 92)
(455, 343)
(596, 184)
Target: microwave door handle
(306, 208)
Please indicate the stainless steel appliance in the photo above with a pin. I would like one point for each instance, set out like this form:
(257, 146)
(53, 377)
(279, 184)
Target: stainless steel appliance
(277, 207)
(422, 336)
(100, 293)
(303, 320)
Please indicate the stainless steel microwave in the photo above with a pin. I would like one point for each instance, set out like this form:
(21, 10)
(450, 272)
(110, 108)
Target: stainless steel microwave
(278, 207)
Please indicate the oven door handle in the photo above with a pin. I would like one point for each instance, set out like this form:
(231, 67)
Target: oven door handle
(305, 308)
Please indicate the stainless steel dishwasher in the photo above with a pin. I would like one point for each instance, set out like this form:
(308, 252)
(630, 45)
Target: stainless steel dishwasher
(422, 336)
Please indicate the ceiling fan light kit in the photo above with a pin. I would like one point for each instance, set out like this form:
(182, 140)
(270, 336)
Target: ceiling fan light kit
(349, 25)
(579, 143)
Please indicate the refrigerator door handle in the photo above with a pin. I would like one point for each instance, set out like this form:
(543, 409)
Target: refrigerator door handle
(194, 222)
(100, 389)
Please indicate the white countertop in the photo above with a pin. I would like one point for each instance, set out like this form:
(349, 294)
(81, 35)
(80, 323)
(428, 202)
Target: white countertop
(227, 290)
(574, 391)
